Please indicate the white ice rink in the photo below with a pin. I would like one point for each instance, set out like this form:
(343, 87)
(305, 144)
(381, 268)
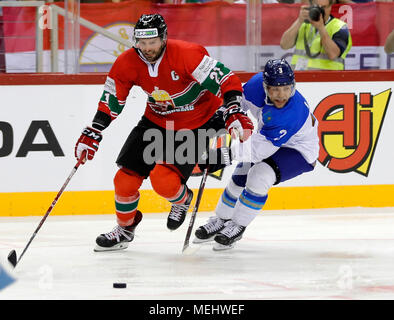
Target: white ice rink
(296, 254)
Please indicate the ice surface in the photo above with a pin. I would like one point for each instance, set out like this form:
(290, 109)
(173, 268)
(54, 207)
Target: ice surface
(294, 254)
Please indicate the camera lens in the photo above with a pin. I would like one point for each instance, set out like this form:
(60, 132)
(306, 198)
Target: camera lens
(315, 12)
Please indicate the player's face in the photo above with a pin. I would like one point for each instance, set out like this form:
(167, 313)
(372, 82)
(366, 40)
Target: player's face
(151, 48)
(280, 95)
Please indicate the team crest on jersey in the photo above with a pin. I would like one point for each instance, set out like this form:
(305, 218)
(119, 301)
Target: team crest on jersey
(162, 101)
(267, 116)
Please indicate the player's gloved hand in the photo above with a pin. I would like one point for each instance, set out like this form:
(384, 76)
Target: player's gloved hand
(237, 120)
(217, 120)
(89, 141)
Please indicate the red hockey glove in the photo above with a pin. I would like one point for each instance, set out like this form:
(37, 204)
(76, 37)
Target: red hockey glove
(237, 120)
(89, 141)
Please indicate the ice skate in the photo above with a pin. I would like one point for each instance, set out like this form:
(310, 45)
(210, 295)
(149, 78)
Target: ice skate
(178, 212)
(119, 237)
(228, 236)
(208, 231)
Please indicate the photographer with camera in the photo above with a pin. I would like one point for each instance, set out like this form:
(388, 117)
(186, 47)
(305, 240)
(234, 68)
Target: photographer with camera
(321, 41)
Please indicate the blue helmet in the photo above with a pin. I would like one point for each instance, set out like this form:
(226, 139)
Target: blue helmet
(278, 73)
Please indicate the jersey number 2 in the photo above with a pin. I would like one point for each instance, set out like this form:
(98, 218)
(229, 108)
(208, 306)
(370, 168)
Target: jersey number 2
(282, 134)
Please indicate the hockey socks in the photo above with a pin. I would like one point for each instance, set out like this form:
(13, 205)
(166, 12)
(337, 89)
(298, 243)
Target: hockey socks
(127, 196)
(248, 206)
(126, 208)
(245, 210)
(225, 207)
(180, 197)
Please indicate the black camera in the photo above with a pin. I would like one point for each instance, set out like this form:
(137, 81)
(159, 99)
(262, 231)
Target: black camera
(315, 12)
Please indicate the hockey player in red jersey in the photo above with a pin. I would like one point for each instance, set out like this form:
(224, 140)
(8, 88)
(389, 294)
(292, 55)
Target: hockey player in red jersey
(185, 88)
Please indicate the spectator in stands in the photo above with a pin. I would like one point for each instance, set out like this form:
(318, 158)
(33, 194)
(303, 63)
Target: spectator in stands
(389, 45)
(321, 41)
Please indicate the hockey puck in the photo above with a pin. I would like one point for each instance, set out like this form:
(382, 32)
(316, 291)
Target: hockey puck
(120, 285)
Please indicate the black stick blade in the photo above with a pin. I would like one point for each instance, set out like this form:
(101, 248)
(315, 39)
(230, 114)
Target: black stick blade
(12, 258)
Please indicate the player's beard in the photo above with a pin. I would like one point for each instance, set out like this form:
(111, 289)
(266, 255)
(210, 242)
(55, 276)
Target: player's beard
(280, 103)
(153, 56)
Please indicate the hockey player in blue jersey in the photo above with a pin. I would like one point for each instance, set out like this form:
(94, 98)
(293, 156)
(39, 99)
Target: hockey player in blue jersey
(285, 145)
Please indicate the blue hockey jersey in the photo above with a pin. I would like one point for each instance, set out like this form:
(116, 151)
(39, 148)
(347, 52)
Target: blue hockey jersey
(292, 126)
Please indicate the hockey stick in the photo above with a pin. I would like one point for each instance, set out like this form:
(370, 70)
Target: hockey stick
(12, 257)
(194, 213)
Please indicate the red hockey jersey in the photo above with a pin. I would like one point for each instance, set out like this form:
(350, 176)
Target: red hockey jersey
(185, 85)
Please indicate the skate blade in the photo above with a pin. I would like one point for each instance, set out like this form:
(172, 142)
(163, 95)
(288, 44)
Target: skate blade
(119, 246)
(222, 247)
(198, 241)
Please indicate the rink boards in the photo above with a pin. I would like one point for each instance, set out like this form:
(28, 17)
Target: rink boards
(41, 122)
